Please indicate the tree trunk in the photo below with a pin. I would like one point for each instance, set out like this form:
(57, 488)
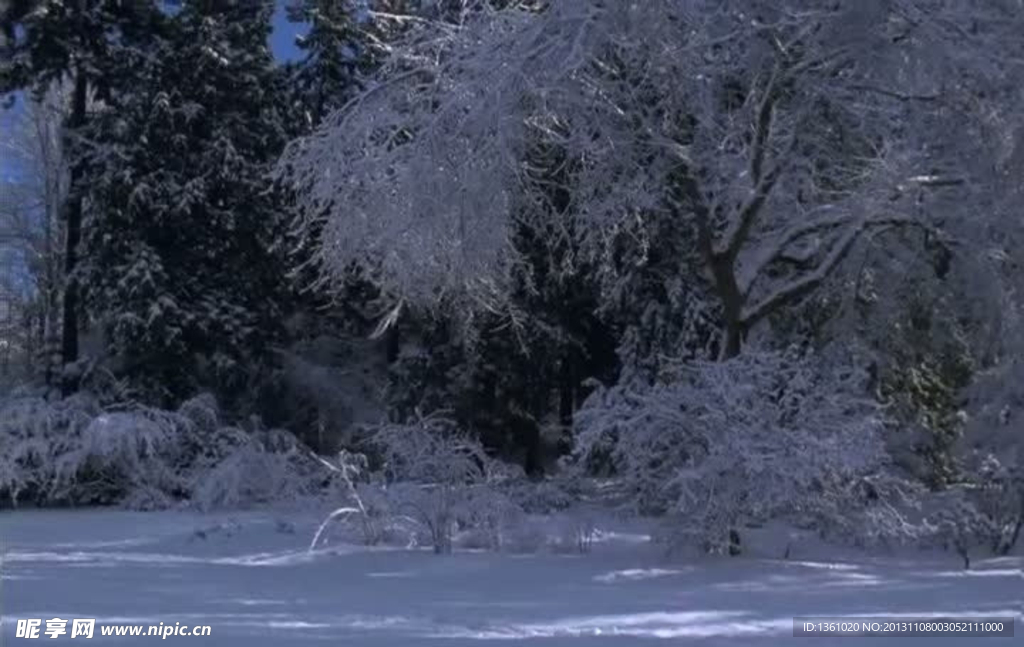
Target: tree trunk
(46, 345)
(732, 304)
(966, 556)
(566, 391)
(732, 340)
(72, 237)
(566, 402)
(735, 545)
(393, 344)
(50, 352)
(529, 435)
(1014, 537)
(732, 322)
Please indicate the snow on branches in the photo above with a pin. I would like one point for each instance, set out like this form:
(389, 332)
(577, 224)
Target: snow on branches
(760, 437)
(993, 447)
(782, 132)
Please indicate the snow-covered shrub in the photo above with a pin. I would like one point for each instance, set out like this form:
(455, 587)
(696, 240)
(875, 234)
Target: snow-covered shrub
(437, 475)
(89, 456)
(72, 451)
(33, 433)
(718, 445)
(993, 448)
(884, 511)
(490, 516)
(543, 497)
(75, 451)
(251, 475)
(227, 466)
(960, 525)
(366, 508)
(202, 412)
(1000, 495)
(119, 453)
(982, 514)
(528, 536)
(236, 467)
(574, 530)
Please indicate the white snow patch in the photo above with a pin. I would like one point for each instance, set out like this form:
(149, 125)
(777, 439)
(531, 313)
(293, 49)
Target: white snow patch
(636, 574)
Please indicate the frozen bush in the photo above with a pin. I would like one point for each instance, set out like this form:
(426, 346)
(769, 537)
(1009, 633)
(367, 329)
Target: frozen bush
(240, 468)
(983, 513)
(575, 530)
(74, 451)
(490, 515)
(34, 433)
(884, 511)
(717, 445)
(71, 451)
(366, 508)
(202, 413)
(146, 497)
(528, 536)
(251, 475)
(992, 449)
(1002, 500)
(118, 453)
(436, 474)
(543, 497)
(961, 526)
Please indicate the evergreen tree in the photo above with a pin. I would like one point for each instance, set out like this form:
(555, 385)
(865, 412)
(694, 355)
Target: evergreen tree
(48, 42)
(186, 234)
(337, 54)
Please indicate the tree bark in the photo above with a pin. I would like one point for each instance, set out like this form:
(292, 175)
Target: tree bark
(729, 295)
(533, 463)
(393, 344)
(567, 390)
(732, 340)
(72, 238)
(1012, 541)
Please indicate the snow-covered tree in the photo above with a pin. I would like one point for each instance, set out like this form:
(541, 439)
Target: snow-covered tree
(782, 133)
(186, 246)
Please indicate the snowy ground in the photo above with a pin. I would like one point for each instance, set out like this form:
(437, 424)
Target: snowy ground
(250, 578)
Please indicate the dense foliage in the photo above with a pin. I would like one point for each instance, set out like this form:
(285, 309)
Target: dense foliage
(184, 247)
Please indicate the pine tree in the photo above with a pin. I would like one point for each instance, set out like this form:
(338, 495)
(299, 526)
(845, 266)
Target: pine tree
(337, 54)
(186, 234)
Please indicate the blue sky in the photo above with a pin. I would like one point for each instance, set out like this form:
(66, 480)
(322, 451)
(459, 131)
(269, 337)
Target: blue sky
(282, 43)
